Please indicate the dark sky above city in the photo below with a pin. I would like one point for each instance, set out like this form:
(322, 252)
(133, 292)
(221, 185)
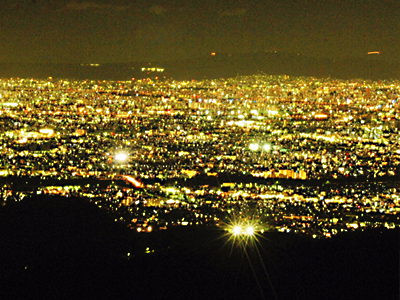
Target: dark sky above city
(100, 31)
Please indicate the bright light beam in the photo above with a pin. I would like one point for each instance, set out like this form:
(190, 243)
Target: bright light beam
(132, 180)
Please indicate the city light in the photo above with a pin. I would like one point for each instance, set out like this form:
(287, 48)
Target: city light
(121, 157)
(46, 131)
(267, 147)
(253, 147)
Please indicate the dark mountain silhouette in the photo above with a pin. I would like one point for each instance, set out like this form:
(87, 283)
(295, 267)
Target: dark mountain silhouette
(218, 66)
(279, 63)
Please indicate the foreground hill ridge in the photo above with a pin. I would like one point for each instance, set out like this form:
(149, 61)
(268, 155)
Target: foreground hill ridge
(53, 247)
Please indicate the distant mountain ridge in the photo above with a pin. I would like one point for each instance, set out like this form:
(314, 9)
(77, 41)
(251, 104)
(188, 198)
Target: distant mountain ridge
(217, 66)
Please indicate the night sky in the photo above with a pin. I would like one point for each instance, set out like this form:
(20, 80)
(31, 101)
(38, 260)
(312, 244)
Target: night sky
(105, 31)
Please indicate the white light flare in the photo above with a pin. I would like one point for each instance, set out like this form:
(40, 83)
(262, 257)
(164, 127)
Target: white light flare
(121, 157)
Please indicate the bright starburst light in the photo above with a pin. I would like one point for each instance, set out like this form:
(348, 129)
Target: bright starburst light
(237, 230)
(244, 231)
(250, 230)
(121, 157)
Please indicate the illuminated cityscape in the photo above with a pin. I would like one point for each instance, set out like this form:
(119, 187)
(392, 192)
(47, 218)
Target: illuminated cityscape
(300, 155)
